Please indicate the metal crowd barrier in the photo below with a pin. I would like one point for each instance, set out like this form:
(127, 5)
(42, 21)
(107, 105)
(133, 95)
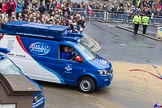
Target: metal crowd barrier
(156, 20)
(103, 15)
(114, 17)
(80, 11)
(98, 15)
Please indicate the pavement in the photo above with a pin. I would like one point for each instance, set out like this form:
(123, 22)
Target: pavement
(151, 33)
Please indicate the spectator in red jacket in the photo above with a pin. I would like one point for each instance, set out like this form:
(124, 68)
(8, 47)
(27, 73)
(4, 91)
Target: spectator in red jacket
(11, 7)
(3, 9)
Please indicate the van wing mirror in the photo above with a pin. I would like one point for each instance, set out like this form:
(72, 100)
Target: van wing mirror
(78, 59)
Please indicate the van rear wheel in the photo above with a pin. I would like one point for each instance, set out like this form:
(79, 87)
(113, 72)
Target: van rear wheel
(86, 85)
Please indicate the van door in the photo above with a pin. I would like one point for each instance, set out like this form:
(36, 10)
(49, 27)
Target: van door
(67, 67)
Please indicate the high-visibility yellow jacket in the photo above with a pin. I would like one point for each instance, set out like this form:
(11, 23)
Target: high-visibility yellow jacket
(145, 20)
(136, 19)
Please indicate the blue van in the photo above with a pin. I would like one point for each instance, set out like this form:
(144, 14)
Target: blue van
(53, 54)
(8, 67)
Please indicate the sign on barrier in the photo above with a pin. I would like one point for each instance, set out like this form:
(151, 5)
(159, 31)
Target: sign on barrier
(159, 33)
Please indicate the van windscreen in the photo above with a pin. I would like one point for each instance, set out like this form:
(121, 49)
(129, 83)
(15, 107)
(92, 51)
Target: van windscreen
(86, 51)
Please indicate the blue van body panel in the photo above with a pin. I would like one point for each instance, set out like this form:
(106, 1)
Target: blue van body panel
(32, 46)
(101, 63)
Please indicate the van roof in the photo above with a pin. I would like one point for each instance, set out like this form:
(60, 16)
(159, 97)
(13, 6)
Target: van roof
(36, 25)
(30, 29)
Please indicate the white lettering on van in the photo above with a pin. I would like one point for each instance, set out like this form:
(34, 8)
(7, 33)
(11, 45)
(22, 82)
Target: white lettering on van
(68, 69)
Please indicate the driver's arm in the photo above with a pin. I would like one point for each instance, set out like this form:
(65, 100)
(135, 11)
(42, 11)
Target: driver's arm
(63, 55)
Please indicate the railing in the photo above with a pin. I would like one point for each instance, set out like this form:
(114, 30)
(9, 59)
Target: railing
(114, 17)
(80, 11)
(98, 14)
(156, 20)
(119, 17)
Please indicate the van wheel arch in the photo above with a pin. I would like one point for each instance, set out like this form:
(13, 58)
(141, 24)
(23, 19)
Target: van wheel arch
(88, 78)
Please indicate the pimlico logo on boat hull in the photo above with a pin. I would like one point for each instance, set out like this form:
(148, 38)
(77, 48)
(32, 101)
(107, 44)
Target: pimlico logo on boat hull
(39, 48)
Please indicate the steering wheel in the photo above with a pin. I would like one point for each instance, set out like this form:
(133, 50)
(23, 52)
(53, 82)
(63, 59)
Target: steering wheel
(76, 54)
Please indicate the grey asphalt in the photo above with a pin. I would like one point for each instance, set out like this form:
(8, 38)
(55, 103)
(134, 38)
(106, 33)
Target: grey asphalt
(121, 45)
(116, 45)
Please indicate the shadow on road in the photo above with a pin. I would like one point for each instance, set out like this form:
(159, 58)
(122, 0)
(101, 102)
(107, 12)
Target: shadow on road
(63, 87)
(57, 86)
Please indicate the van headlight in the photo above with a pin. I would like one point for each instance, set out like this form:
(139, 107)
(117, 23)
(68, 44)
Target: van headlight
(103, 72)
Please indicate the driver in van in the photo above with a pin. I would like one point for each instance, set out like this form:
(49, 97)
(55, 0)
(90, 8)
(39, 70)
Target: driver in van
(67, 53)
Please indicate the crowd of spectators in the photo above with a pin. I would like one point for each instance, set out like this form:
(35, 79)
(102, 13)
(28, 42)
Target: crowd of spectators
(144, 7)
(50, 12)
(148, 7)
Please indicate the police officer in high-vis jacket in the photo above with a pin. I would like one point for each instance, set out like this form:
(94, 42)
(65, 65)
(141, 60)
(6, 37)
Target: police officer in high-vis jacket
(145, 22)
(136, 22)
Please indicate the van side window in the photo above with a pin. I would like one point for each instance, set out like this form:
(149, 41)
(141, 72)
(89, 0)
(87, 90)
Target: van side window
(68, 53)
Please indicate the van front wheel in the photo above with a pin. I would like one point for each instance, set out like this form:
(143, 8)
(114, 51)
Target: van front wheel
(86, 85)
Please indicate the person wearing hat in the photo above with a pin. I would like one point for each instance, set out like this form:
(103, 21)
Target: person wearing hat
(136, 22)
(145, 23)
